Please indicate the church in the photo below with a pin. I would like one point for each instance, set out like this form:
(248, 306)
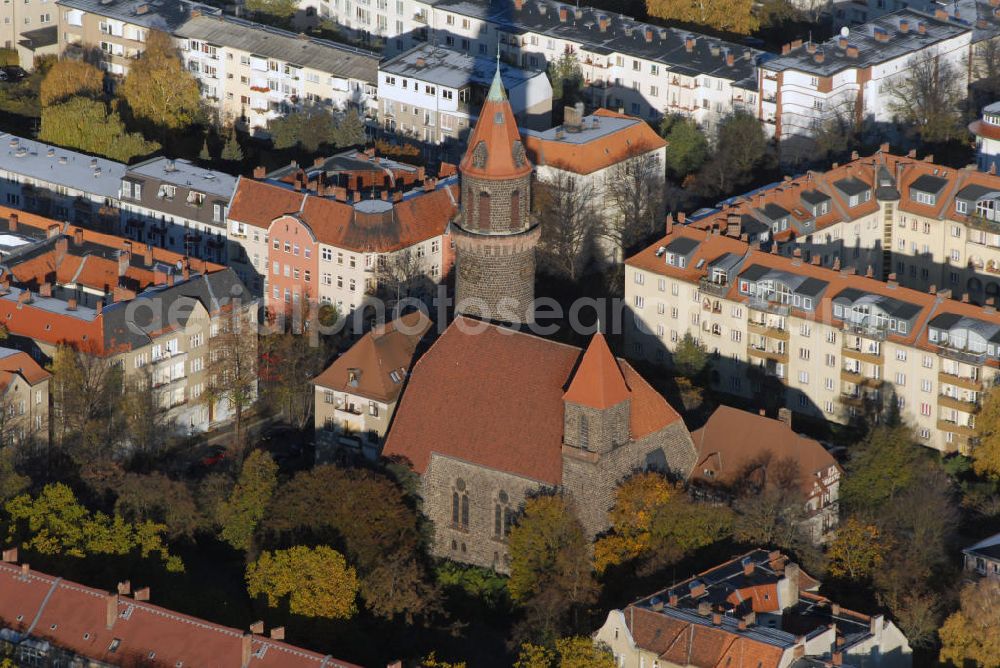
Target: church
(492, 414)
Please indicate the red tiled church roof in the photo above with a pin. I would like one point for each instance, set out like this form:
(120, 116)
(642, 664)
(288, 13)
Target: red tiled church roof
(598, 382)
(492, 396)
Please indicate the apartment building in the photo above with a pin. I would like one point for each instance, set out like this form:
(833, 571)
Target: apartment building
(825, 343)
(983, 558)
(759, 610)
(24, 399)
(391, 26)
(27, 25)
(254, 73)
(435, 94)
(314, 241)
(51, 621)
(356, 396)
(987, 132)
(931, 226)
(176, 205)
(57, 183)
(148, 310)
(589, 154)
(117, 29)
(852, 76)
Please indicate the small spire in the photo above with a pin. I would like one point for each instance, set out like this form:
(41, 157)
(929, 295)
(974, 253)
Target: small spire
(497, 92)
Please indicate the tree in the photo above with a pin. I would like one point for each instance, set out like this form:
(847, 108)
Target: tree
(857, 551)
(571, 652)
(12, 483)
(203, 154)
(246, 506)
(551, 571)
(690, 356)
(289, 363)
(565, 213)
(350, 129)
(741, 149)
(55, 523)
(159, 90)
(231, 150)
(969, 636)
(882, 467)
(986, 455)
(156, 498)
(70, 78)
(927, 98)
(566, 78)
(634, 189)
(87, 125)
(232, 369)
(144, 413)
(687, 147)
(986, 71)
(277, 8)
(397, 276)
(366, 517)
(772, 516)
(736, 16)
(317, 581)
(636, 502)
(309, 128)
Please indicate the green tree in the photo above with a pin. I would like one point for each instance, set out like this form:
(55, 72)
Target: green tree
(309, 128)
(551, 570)
(87, 125)
(70, 78)
(884, 465)
(741, 150)
(986, 455)
(276, 8)
(247, 505)
(566, 78)
(203, 154)
(969, 636)
(159, 90)
(687, 146)
(317, 581)
(12, 483)
(857, 551)
(231, 150)
(350, 129)
(735, 16)
(690, 356)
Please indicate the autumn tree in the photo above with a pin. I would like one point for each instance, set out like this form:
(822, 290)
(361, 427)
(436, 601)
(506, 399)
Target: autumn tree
(159, 91)
(366, 517)
(986, 455)
(881, 467)
(86, 125)
(70, 78)
(637, 500)
(144, 413)
(969, 636)
(551, 570)
(85, 390)
(570, 652)
(276, 8)
(232, 369)
(12, 482)
(927, 97)
(155, 497)
(288, 364)
(690, 356)
(246, 506)
(565, 212)
(736, 16)
(317, 581)
(857, 551)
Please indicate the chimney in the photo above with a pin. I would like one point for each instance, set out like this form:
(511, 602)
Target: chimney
(681, 218)
(648, 33)
(62, 247)
(921, 27)
(124, 588)
(881, 35)
(278, 633)
(852, 52)
(71, 304)
(932, 290)
(111, 610)
(45, 289)
(870, 272)
(257, 628)
(673, 599)
(602, 20)
(742, 625)
(877, 622)
(259, 172)
(733, 225)
(170, 279)
(141, 594)
(704, 608)
(941, 14)
(518, 5)
(24, 297)
(904, 26)
(842, 42)
(837, 658)
(965, 297)
(12, 222)
(792, 572)
(730, 59)
(186, 269)
(689, 43)
(25, 570)
(78, 236)
(835, 609)
(748, 566)
(99, 306)
(563, 14)
(124, 258)
(785, 415)
(10, 555)
(246, 650)
(716, 619)
(52, 231)
(147, 255)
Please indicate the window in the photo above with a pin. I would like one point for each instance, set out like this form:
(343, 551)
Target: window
(925, 409)
(326, 254)
(804, 377)
(584, 428)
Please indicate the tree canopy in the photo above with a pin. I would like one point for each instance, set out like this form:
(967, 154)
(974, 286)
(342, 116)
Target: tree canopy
(69, 78)
(317, 581)
(687, 146)
(736, 16)
(159, 90)
(86, 125)
(986, 455)
(248, 502)
(969, 636)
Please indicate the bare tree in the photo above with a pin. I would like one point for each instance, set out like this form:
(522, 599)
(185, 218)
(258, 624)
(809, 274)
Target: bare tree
(144, 412)
(634, 191)
(232, 370)
(985, 82)
(928, 98)
(397, 275)
(564, 209)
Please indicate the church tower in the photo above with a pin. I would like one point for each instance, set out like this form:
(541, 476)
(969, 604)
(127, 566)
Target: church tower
(494, 235)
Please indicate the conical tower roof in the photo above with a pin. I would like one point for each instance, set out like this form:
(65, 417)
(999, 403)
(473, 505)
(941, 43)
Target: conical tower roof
(495, 150)
(598, 381)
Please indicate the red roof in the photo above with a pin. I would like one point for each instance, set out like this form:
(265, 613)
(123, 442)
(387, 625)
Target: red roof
(496, 130)
(257, 203)
(598, 382)
(23, 365)
(75, 617)
(493, 396)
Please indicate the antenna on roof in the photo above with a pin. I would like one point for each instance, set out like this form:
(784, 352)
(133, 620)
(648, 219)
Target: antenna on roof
(845, 32)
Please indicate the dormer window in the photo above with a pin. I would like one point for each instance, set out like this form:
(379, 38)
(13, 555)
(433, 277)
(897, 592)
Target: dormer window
(923, 198)
(961, 206)
(167, 191)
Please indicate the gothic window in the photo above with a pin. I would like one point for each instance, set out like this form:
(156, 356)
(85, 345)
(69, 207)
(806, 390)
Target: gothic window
(479, 155)
(515, 209)
(584, 432)
(460, 505)
(503, 517)
(519, 155)
(484, 212)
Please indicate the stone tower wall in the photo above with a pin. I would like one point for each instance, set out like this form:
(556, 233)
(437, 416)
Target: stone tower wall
(501, 193)
(605, 428)
(495, 275)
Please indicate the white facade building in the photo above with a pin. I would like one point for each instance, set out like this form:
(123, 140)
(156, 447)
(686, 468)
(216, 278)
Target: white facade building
(987, 132)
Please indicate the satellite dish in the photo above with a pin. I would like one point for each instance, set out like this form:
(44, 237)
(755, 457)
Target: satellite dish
(180, 265)
(845, 32)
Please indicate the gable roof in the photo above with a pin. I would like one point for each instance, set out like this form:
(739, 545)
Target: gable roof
(598, 381)
(493, 396)
(15, 363)
(379, 361)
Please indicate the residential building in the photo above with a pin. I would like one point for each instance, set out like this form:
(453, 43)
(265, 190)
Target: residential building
(391, 26)
(176, 205)
(48, 620)
(24, 399)
(983, 558)
(759, 610)
(852, 77)
(356, 170)
(37, 43)
(27, 26)
(768, 450)
(590, 155)
(826, 343)
(356, 396)
(57, 183)
(315, 241)
(987, 133)
(148, 310)
(254, 73)
(434, 94)
(551, 416)
(117, 30)
(927, 226)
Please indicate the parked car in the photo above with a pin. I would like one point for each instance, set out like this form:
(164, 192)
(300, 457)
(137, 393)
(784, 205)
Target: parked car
(13, 73)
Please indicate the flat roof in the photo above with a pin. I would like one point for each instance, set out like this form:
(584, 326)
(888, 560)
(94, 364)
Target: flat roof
(165, 15)
(184, 173)
(45, 162)
(871, 51)
(453, 69)
(340, 60)
(588, 131)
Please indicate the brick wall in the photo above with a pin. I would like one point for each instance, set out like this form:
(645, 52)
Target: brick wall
(501, 193)
(605, 428)
(495, 275)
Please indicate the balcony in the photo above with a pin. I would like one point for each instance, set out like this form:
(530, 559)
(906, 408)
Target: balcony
(964, 382)
(770, 332)
(955, 428)
(957, 403)
(963, 356)
(349, 410)
(850, 399)
(773, 355)
(713, 288)
(420, 17)
(865, 331)
(862, 355)
(860, 380)
(776, 308)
